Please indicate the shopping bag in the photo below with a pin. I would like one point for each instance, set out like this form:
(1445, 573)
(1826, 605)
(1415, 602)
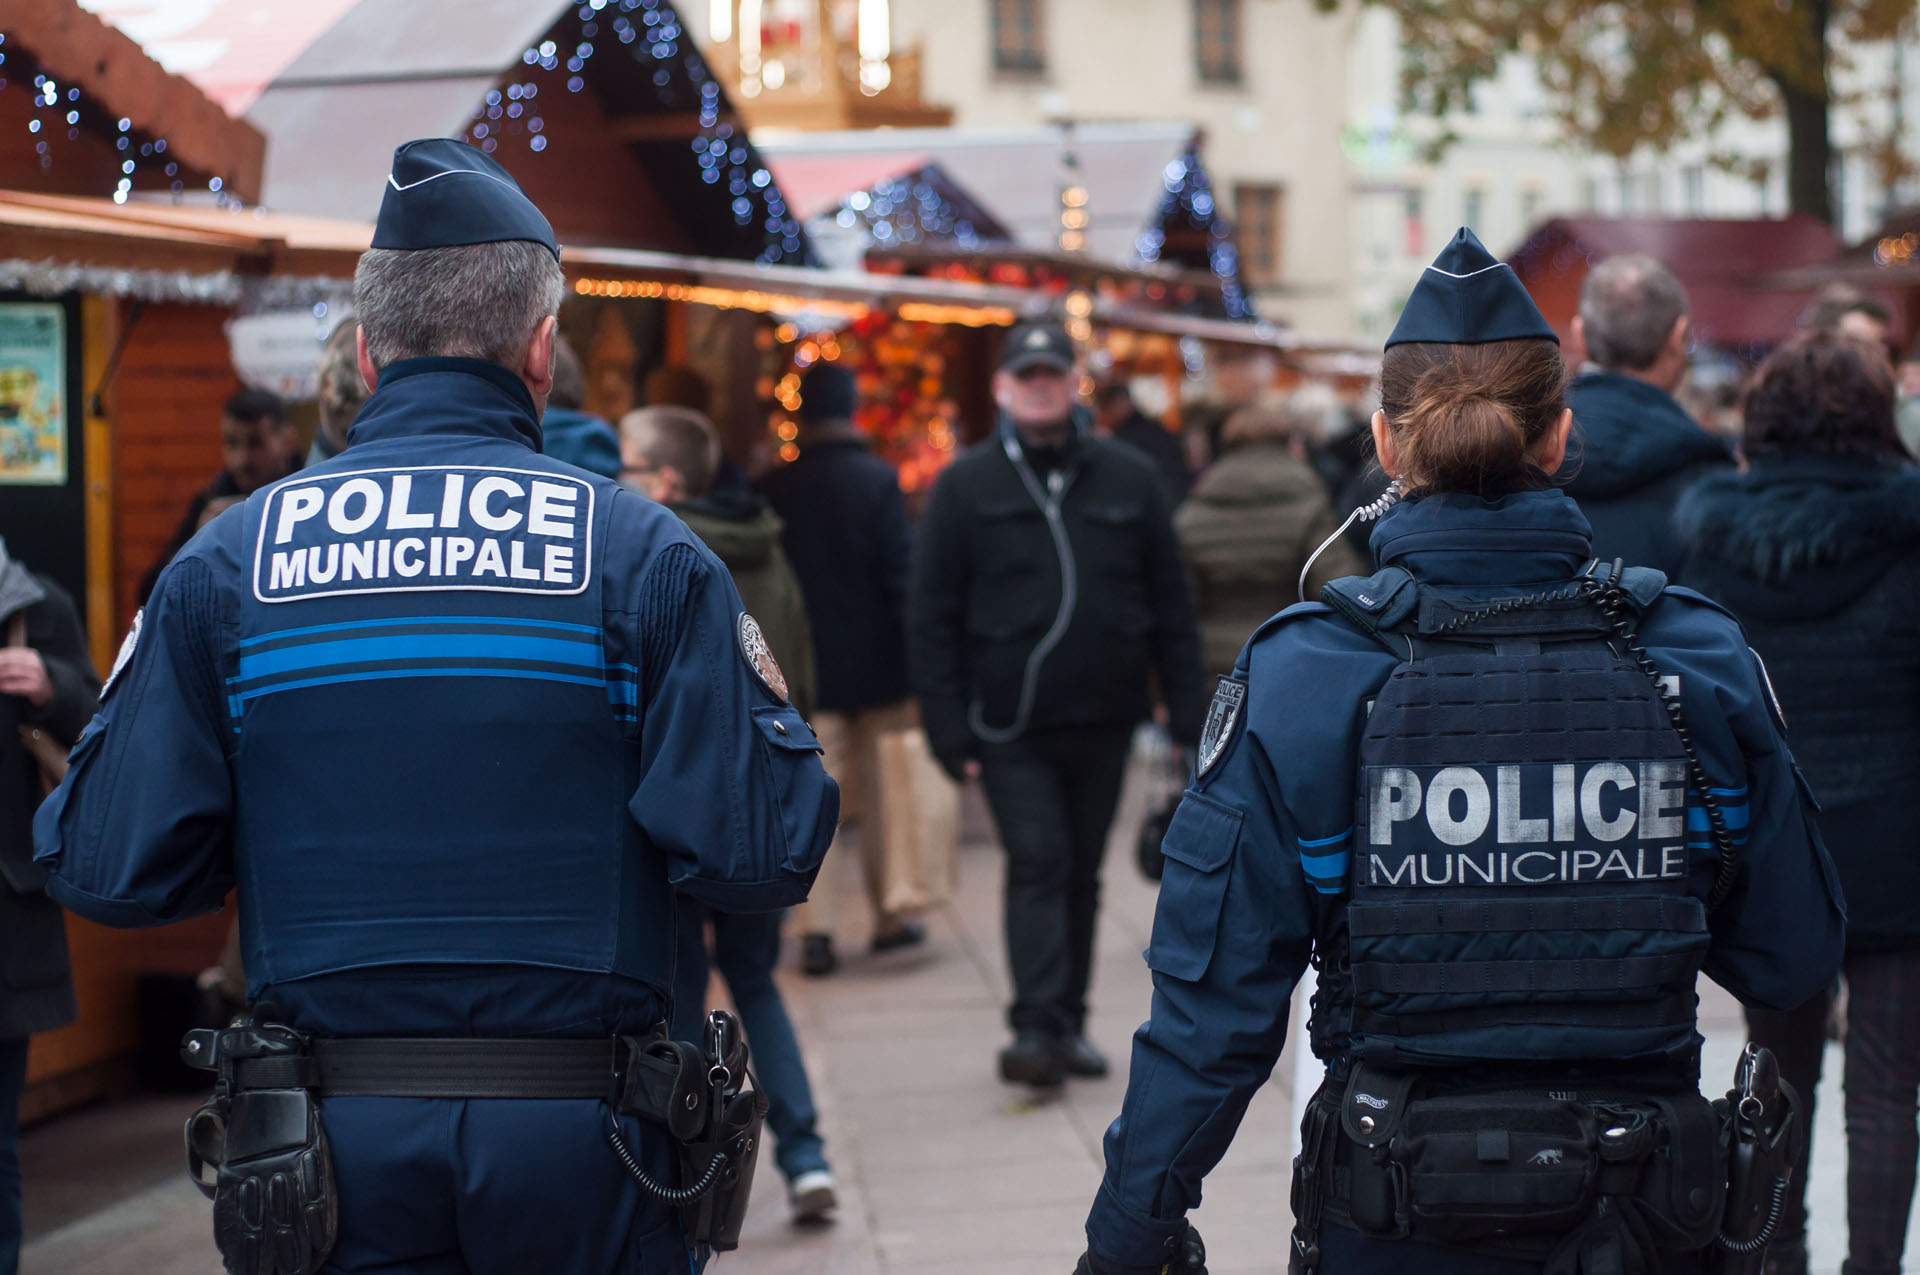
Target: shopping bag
(919, 809)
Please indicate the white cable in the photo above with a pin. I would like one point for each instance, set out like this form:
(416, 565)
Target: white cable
(1365, 513)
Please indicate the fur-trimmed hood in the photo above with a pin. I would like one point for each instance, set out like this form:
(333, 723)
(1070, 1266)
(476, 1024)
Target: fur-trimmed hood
(1790, 515)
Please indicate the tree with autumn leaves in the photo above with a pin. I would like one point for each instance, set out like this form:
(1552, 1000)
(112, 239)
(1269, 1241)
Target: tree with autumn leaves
(1635, 73)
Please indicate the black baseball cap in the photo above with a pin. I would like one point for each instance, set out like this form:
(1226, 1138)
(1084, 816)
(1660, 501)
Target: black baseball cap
(1037, 345)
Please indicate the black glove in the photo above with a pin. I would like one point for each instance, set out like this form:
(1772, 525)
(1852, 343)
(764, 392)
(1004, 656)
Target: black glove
(1191, 1258)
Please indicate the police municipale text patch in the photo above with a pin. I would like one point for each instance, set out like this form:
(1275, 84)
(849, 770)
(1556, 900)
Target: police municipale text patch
(759, 657)
(125, 657)
(1223, 718)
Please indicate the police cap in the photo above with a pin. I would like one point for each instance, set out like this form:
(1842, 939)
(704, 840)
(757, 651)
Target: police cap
(1467, 298)
(443, 193)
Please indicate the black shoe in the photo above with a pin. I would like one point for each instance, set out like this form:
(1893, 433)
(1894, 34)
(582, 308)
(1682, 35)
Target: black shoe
(1084, 1060)
(910, 934)
(816, 955)
(1036, 1059)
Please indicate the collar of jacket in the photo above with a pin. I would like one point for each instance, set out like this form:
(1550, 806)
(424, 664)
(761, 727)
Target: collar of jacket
(1792, 513)
(1013, 445)
(1643, 434)
(1454, 538)
(447, 396)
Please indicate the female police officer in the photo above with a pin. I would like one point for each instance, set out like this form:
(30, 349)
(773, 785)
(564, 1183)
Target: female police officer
(1469, 789)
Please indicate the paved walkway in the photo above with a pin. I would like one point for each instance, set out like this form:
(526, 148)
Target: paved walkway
(943, 1170)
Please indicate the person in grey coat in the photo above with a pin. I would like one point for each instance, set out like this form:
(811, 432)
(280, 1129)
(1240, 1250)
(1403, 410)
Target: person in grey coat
(1255, 516)
(46, 683)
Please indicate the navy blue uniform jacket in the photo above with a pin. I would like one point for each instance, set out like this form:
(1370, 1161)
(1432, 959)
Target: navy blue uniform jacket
(456, 807)
(1257, 853)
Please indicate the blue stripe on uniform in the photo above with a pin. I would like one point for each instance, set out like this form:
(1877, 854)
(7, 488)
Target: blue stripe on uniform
(424, 646)
(372, 675)
(1326, 872)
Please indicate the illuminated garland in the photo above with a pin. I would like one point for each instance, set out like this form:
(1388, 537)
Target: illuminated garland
(655, 38)
(907, 211)
(246, 293)
(58, 110)
(1188, 198)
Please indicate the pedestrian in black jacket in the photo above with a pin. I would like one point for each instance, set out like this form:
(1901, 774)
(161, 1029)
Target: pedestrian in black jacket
(46, 683)
(1635, 449)
(1048, 593)
(1817, 549)
(850, 543)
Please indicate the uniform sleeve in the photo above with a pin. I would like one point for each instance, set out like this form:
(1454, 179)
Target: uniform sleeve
(936, 620)
(140, 831)
(1231, 937)
(1779, 937)
(731, 786)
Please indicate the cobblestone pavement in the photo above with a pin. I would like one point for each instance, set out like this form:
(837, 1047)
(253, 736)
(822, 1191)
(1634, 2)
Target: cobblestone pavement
(942, 1169)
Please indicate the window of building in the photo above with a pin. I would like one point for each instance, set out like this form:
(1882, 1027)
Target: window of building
(1529, 208)
(1693, 187)
(1416, 223)
(1019, 42)
(1656, 193)
(1256, 217)
(1625, 184)
(1590, 194)
(1216, 41)
(1473, 208)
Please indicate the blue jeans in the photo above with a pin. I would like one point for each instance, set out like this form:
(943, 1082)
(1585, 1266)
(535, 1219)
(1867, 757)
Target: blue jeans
(746, 948)
(13, 1079)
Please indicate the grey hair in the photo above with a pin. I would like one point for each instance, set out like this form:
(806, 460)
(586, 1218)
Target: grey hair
(476, 301)
(1628, 307)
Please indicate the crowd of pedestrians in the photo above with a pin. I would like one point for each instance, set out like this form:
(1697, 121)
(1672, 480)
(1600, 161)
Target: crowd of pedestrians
(1076, 576)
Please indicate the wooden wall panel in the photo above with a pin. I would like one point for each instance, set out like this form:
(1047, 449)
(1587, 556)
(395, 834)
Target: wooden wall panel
(175, 373)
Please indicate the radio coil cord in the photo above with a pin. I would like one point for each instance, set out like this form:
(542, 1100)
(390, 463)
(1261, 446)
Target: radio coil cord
(1370, 512)
(1049, 504)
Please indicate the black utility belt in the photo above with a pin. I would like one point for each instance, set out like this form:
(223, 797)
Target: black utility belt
(260, 1137)
(1513, 1172)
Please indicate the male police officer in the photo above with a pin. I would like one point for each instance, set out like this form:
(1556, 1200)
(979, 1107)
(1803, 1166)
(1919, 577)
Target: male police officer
(454, 718)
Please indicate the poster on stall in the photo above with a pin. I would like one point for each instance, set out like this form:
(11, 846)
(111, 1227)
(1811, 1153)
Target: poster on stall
(33, 398)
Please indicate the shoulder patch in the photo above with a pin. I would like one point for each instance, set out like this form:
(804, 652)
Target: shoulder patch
(1223, 720)
(125, 657)
(759, 657)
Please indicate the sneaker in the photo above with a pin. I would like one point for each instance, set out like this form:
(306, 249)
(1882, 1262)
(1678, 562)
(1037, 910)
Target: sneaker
(909, 934)
(816, 955)
(1084, 1060)
(1035, 1059)
(812, 1195)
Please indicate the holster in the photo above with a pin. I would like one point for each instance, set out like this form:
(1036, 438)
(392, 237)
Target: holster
(700, 1093)
(275, 1211)
(1762, 1116)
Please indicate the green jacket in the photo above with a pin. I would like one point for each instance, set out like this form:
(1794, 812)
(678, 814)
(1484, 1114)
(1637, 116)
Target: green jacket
(1245, 531)
(745, 534)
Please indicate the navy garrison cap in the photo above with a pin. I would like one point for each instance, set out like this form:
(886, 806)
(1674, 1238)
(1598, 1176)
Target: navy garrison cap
(443, 193)
(1467, 298)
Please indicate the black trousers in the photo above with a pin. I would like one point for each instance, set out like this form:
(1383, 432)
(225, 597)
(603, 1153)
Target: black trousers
(1882, 1095)
(1053, 794)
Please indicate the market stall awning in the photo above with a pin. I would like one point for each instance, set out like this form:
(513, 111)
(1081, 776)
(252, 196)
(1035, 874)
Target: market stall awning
(1017, 173)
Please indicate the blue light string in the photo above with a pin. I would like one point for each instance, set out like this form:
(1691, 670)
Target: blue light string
(1187, 195)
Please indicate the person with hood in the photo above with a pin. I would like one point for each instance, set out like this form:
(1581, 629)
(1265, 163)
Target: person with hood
(1817, 549)
(671, 454)
(569, 433)
(47, 685)
(1635, 449)
(1254, 518)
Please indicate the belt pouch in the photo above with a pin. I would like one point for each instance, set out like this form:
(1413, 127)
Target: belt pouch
(1495, 1166)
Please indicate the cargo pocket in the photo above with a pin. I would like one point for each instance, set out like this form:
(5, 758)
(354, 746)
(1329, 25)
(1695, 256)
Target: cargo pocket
(1199, 855)
(793, 752)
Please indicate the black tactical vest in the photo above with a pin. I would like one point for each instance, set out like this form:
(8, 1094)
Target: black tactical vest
(1518, 890)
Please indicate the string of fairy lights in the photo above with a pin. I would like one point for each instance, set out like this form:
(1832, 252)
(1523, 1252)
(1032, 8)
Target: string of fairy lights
(61, 112)
(681, 83)
(907, 211)
(1187, 201)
